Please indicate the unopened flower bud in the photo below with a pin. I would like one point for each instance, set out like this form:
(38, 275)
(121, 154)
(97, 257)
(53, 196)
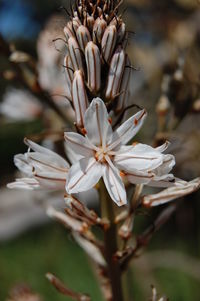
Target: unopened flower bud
(89, 22)
(93, 62)
(121, 32)
(125, 230)
(108, 42)
(67, 220)
(98, 29)
(99, 11)
(68, 73)
(68, 31)
(79, 97)
(124, 89)
(76, 23)
(115, 73)
(83, 36)
(75, 54)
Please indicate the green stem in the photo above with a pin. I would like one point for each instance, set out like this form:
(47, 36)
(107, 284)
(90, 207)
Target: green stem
(110, 244)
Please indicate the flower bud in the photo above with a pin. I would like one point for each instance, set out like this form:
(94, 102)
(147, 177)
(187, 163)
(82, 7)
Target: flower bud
(75, 54)
(125, 230)
(75, 23)
(98, 29)
(93, 62)
(115, 73)
(83, 36)
(124, 89)
(79, 97)
(108, 42)
(67, 220)
(89, 22)
(68, 73)
(121, 32)
(68, 31)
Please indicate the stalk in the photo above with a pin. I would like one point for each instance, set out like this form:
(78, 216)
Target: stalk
(111, 244)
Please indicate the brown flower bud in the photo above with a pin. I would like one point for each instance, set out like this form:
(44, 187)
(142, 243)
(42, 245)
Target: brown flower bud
(115, 73)
(98, 29)
(121, 32)
(68, 221)
(79, 97)
(89, 22)
(124, 89)
(76, 23)
(83, 36)
(75, 54)
(108, 42)
(68, 31)
(93, 62)
(68, 73)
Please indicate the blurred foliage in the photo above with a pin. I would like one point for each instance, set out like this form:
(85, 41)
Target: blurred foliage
(50, 249)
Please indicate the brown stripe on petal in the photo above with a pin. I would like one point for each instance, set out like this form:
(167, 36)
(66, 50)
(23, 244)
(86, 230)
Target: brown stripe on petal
(48, 165)
(83, 175)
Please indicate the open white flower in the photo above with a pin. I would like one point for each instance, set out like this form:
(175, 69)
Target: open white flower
(44, 168)
(102, 153)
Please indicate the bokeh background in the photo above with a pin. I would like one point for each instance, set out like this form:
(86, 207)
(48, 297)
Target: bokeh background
(164, 46)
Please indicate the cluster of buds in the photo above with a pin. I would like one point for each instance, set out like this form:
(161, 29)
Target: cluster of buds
(96, 63)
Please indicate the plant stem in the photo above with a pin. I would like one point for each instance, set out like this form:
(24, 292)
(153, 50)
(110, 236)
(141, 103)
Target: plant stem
(110, 244)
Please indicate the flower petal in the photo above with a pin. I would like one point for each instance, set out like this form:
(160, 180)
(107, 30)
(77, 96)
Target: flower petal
(51, 180)
(83, 175)
(24, 183)
(99, 130)
(44, 162)
(78, 144)
(21, 163)
(38, 148)
(139, 177)
(138, 157)
(166, 166)
(167, 180)
(114, 184)
(171, 193)
(128, 129)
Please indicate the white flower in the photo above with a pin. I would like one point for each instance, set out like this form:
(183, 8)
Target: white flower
(44, 168)
(102, 153)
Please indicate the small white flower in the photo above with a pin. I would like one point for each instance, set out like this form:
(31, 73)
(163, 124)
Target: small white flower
(44, 168)
(102, 153)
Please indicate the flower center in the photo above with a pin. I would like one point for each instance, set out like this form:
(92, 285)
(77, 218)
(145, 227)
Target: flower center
(100, 155)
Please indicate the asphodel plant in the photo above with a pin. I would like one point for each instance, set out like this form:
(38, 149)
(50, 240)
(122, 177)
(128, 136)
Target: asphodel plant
(101, 156)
